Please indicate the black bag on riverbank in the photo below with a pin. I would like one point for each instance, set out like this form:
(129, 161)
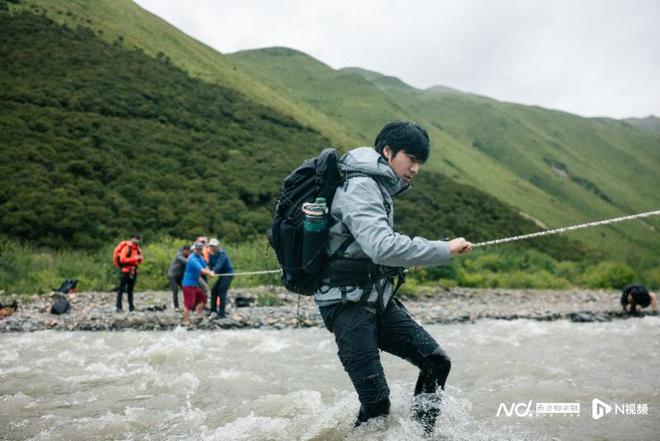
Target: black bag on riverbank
(61, 305)
(7, 310)
(68, 286)
(243, 302)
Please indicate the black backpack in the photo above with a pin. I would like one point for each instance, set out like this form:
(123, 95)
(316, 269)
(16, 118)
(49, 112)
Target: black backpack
(61, 305)
(68, 286)
(316, 177)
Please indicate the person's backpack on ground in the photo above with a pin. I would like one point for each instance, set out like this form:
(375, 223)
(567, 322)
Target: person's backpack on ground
(67, 286)
(7, 310)
(61, 305)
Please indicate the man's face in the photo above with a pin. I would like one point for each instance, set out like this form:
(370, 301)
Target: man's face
(198, 251)
(186, 253)
(135, 240)
(405, 166)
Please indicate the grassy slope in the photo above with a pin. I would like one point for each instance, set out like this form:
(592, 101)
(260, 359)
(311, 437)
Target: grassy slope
(125, 21)
(505, 149)
(99, 140)
(109, 139)
(601, 155)
(341, 117)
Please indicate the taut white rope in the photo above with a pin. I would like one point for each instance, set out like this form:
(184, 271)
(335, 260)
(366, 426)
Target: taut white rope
(504, 240)
(565, 229)
(250, 273)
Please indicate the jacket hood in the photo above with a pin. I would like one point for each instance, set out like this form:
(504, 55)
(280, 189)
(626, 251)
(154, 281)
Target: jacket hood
(367, 160)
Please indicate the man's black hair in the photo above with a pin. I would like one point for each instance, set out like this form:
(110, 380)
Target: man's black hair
(404, 135)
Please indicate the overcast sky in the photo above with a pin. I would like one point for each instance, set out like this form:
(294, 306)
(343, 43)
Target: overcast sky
(593, 58)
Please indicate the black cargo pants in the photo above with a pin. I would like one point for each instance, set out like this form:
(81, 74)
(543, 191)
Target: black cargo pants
(359, 335)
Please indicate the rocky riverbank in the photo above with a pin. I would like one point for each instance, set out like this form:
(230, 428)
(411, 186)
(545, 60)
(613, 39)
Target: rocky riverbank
(94, 311)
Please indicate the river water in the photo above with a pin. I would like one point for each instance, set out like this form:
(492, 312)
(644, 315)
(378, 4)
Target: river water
(289, 385)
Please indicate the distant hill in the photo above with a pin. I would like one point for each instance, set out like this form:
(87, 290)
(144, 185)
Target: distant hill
(100, 139)
(651, 122)
(556, 167)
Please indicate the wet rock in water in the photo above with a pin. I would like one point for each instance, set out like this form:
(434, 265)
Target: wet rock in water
(583, 317)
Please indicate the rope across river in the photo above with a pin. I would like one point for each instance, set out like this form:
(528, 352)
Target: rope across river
(506, 239)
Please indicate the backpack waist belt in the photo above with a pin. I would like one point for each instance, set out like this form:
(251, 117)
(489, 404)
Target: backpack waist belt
(357, 272)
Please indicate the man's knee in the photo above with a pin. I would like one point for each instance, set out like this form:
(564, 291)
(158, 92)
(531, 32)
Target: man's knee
(440, 361)
(433, 372)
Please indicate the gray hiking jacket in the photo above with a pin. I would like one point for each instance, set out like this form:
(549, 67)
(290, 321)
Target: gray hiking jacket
(360, 209)
(178, 266)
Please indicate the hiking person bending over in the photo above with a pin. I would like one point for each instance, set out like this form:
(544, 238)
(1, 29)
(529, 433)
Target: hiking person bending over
(356, 299)
(634, 296)
(129, 260)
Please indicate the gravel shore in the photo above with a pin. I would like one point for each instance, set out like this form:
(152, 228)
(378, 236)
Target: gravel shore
(95, 311)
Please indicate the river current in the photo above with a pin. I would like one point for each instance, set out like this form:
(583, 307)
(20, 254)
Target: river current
(510, 380)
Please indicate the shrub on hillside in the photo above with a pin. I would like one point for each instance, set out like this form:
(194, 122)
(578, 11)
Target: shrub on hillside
(609, 275)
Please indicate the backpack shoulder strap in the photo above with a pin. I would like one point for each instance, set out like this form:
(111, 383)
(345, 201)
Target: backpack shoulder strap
(339, 252)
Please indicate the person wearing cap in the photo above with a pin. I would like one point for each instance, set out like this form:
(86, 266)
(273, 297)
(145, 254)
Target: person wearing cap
(220, 263)
(193, 295)
(203, 281)
(175, 272)
(129, 260)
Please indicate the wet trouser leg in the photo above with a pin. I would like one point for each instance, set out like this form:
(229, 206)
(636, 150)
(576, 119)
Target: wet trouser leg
(356, 333)
(404, 337)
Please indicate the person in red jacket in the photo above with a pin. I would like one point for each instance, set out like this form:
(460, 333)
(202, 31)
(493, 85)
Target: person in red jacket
(129, 260)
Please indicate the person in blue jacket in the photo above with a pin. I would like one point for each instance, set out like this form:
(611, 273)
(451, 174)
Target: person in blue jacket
(219, 263)
(194, 297)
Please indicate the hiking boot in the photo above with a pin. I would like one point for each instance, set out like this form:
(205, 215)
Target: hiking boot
(119, 309)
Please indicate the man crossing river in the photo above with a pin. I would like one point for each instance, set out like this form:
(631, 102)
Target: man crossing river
(357, 297)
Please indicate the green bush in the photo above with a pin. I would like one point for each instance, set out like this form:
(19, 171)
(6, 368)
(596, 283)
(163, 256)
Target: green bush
(25, 269)
(652, 278)
(410, 289)
(609, 275)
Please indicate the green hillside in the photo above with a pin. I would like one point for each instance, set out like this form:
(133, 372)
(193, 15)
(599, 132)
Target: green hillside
(555, 167)
(485, 143)
(100, 140)
(124, 22)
